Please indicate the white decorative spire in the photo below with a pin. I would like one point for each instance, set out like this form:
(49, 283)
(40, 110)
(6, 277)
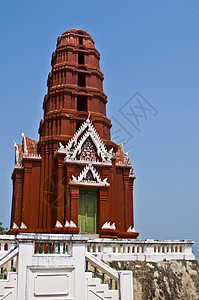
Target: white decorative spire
(67, 224)
(58, 225)
(14, 226)
(131, 229)
(72, 224)
(25, 149)
(16, 153)
(108, 225)
(23, 226)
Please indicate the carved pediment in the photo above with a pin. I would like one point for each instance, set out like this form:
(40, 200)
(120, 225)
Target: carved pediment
(89, 176)
(86, 145)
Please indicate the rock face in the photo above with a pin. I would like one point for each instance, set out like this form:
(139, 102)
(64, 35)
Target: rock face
(170, 280)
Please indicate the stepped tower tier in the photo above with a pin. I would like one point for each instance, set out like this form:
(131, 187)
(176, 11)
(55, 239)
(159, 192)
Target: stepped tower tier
(75, 87)
(74, 179)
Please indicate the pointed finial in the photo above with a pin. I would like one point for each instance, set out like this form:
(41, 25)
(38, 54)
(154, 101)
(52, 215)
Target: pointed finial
(127, 153)
(88, 119)
(22, 133)
(25, 150)
(15, 144)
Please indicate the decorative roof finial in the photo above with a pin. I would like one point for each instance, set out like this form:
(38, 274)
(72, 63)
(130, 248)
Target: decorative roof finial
(25, 149)
(16, 153)
(88, 119)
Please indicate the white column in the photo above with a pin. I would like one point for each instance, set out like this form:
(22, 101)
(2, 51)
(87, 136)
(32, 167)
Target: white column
(126, 285)
(24, 259)
(78, 253)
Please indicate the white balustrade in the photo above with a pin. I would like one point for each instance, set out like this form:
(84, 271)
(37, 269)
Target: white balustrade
(141, 250)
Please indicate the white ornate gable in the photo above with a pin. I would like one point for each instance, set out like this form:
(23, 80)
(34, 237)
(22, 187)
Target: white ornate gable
(89, 176)
(125, 157)
(86, 141)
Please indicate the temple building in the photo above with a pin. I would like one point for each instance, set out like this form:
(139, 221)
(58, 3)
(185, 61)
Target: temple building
(74, 179)
(72, 203)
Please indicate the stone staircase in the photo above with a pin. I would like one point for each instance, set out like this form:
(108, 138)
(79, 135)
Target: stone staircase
(8, 287)
(95, 290)
(30, 265)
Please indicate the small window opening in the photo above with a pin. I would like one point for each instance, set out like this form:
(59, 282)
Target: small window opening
(81, 58)
(81, 103)
(81, 79)
(6, 247)
(80, 40)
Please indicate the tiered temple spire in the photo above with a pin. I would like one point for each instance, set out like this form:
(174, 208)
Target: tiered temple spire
(75, 179)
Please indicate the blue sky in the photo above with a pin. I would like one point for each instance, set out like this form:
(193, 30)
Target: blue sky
(150, 47)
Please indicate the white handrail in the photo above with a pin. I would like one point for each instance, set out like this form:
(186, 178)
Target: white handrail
(102, 266)
(96, 295)
(8, 256)
(5, 296)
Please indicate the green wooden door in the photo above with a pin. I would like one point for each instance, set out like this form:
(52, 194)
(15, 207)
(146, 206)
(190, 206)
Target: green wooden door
(87, 217)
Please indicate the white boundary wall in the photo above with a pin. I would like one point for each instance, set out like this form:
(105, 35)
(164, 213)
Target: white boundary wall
(141, 250)
(52, 266)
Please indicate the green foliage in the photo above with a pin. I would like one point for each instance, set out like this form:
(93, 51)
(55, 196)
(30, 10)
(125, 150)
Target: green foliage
(2, 229)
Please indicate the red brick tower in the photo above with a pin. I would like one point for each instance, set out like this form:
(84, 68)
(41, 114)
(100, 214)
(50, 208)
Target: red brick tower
(75, 179)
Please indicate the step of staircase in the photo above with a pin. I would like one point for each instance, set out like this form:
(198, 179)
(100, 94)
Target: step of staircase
(8, 287)
(95, 290)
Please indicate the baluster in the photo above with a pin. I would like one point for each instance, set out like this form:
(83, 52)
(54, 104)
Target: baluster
(48, 248)
(12, 269)
(103, 277)
(111, 283)
(37, 247)
(86, 266)
(42, 248)
(53, 248)
(115, 284)
(64, 248)
(91, 247)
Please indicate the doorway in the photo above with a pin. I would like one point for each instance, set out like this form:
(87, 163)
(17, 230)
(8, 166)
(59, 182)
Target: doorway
(87, 215)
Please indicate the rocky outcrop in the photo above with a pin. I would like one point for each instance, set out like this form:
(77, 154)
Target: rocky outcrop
(170, 280)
